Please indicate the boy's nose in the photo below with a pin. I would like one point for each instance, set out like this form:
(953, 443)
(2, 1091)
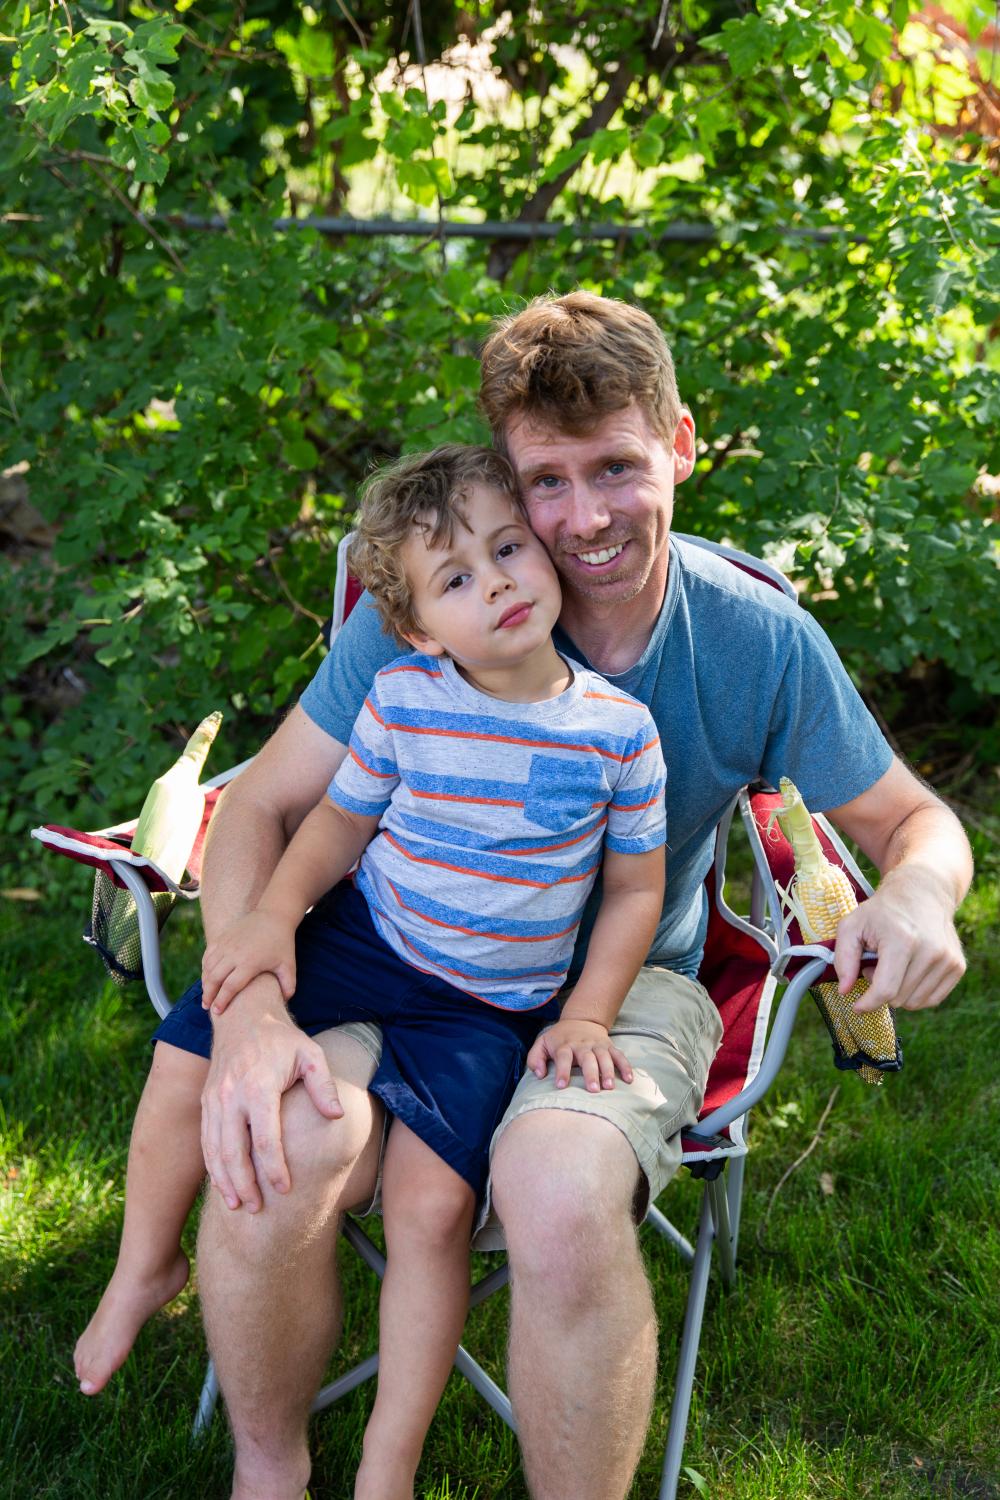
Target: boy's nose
(498, 584)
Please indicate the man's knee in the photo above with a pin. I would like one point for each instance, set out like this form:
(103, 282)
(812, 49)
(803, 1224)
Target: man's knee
(332, 1166)
(563, 1187)
(320, 1152)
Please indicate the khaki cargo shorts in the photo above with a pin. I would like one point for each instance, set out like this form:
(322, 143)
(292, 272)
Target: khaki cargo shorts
(670, 1031)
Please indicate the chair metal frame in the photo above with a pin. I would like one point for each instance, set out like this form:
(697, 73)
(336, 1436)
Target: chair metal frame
(720, 1162)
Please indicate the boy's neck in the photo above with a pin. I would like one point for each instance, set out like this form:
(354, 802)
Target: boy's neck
(542, 675)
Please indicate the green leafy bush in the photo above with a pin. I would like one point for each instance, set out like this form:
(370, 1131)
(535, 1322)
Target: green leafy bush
(191, 411)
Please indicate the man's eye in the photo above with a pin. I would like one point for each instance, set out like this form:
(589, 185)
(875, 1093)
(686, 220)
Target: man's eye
(547, 482)
(617, 468)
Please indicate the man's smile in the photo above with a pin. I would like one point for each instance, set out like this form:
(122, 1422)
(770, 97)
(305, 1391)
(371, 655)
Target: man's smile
(603, 555)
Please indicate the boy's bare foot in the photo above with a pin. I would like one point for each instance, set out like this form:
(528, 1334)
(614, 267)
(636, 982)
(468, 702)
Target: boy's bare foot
(128, 1303)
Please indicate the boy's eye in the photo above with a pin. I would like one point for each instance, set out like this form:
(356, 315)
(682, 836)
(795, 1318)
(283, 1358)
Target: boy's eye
(507, 549)
(455, 582)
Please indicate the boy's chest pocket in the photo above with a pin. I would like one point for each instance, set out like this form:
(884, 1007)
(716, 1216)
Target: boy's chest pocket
(562, 792)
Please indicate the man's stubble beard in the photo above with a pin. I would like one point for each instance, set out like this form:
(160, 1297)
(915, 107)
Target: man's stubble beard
(576, 587)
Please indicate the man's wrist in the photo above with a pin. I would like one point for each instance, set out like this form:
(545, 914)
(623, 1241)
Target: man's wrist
(926, 879)
(261, 999)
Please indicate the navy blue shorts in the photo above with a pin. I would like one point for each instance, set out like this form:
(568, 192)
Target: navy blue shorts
(449, 1062)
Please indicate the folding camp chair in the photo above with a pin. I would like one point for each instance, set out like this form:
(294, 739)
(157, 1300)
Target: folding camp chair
(746, 958)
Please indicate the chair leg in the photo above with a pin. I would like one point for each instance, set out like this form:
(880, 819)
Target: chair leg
(684, 1381)
(736, 1173)
(206, 1404)
(719, 1199)
(658, 1220)
(345, 1383)
(487, 1388)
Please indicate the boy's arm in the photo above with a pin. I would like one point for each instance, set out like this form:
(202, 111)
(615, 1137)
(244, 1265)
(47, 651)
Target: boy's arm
(328, 842)
(631, 903)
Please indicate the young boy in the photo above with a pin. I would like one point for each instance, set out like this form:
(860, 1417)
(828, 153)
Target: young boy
(483, 776)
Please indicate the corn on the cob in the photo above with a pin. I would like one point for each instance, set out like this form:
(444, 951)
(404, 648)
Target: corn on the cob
(175, 805)
(819, 895)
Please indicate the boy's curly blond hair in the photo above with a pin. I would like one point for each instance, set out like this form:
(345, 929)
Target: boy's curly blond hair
(571, 361)
(424, 492)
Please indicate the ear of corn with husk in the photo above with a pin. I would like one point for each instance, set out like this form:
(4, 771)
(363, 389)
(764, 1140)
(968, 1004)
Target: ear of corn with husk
(175, 805)
(168, 825)
(819, 895)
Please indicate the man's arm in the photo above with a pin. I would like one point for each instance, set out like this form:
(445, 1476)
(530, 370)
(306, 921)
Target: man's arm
(925, 862)
(258, 814)
(327, 844)
(258, 1053)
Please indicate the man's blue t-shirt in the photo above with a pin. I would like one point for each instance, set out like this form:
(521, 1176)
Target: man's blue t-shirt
(742, 684)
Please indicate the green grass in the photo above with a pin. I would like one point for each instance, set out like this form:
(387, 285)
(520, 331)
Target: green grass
(858, 1357)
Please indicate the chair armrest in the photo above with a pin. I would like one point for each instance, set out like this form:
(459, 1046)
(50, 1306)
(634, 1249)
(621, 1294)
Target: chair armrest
(774, 1052)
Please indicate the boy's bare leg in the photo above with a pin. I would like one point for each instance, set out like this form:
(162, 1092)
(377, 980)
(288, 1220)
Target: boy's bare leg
(268, 1281)
(165, 1172)
(583, 1329)
(428, 1211)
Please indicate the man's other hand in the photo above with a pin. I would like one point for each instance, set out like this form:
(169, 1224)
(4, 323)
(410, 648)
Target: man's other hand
(909, 923)
(258, 1054)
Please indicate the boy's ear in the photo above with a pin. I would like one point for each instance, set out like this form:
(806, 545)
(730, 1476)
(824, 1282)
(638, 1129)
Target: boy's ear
(425, 644)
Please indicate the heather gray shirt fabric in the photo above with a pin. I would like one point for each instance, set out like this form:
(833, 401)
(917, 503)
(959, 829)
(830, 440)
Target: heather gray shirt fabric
(741, 683)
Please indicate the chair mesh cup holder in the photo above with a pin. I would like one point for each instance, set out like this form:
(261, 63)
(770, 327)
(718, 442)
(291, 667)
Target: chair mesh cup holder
(113, 929)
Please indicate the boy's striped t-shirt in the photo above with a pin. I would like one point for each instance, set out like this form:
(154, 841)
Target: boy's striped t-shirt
(492, 819)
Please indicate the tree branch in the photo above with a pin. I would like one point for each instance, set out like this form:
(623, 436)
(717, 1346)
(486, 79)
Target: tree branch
(536, 208)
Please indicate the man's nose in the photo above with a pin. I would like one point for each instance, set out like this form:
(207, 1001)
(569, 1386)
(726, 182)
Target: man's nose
(588, 512)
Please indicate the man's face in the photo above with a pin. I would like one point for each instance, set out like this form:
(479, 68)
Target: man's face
(603, 504)
(491, 598)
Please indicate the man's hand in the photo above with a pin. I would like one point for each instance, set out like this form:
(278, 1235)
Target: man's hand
(259, 943)
(585, 1044)
(258, 1053)
(909, 923)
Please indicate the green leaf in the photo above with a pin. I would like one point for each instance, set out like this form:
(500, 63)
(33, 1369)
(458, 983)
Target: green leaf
(568, 157)
(747, 43)
(133, 147)
(417, 182)
(158, 39)
(648, 148)
(301, 454)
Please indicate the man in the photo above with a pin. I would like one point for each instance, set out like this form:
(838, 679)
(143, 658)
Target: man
(581, 395)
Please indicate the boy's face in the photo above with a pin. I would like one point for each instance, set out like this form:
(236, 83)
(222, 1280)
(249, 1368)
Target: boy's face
(489, 599)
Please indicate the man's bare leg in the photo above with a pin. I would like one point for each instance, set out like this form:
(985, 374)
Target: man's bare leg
(583, 1330)
(165, 1173)
(428, 1212)
(268, 1280)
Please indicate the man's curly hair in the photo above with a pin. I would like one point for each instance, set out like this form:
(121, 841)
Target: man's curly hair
(571, 361)
(423, 492)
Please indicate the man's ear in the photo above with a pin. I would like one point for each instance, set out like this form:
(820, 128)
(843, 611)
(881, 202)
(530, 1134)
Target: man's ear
(425, 644)
(684, 447)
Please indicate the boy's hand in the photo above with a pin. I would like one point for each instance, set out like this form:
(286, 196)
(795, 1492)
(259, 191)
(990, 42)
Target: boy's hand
(585, 1044)
(259, 943)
